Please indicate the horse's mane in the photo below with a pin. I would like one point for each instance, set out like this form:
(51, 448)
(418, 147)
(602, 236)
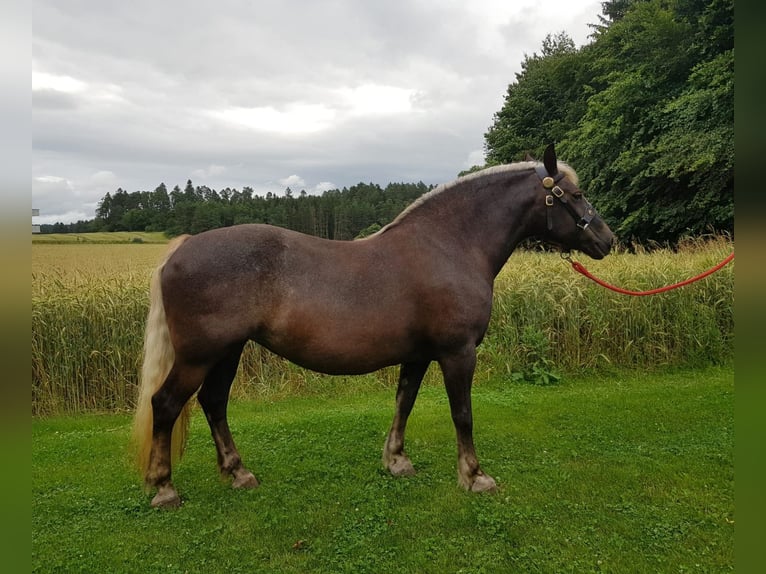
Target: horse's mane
(497, 170)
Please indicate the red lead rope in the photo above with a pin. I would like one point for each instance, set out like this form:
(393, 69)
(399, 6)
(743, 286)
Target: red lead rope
(580, 268)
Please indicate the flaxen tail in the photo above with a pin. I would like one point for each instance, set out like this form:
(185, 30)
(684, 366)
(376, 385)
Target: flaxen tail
(158, 360)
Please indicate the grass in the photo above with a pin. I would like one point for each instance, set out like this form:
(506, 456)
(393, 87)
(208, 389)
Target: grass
(89, 304)
(626, 473)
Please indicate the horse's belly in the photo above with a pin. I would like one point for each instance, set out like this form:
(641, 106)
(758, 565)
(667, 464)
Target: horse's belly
(342, 351)
(342, 365)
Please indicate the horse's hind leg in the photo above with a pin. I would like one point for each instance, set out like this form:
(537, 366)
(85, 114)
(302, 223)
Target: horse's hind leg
(214, 398)
(394, 457)
(167, 403)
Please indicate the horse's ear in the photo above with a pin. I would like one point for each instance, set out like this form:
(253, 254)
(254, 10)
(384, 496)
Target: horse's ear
(528, 157)
(549, 160)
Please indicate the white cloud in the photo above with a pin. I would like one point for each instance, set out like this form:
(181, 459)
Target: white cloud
(210, 171)
(476, 157)
(67, 84)
(323, 186)
(103, 177)
(54, 195)
(337, 92)
(45, 85)
(68, 217)
(373, 99)
(52, 179)
(297, 118)
(293, 181)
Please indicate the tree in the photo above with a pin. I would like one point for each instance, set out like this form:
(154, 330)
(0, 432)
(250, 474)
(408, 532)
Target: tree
(644, 112)
(613, 11)
(190, 194)
(104, 211)
(205, 216)
(159, 207)
(541, 105)
(656, 157)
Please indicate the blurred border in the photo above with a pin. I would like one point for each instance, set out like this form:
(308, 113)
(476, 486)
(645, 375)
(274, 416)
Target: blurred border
(15, 304)
(750, 282)
(750, 236)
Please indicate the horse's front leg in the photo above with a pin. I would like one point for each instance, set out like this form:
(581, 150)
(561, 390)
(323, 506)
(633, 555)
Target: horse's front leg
(458, 372)
(394, 457)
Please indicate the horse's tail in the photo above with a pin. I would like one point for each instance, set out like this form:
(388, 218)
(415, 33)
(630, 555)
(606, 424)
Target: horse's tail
(158, 360)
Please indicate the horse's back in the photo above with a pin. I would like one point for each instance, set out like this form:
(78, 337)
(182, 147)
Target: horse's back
(332, 306)
(320, 303)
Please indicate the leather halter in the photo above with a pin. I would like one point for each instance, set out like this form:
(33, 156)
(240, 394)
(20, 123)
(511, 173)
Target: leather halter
(549, 183)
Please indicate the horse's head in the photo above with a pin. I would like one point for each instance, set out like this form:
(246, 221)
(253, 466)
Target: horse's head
(571, 221)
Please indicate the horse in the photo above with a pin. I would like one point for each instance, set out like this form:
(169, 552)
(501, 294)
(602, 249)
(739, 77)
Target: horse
(418, 291)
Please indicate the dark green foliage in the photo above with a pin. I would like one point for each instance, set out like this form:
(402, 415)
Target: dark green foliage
(645, 113)
(336, 214)
(540, 106)
(537, 368)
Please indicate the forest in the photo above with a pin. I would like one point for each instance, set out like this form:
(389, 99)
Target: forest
(336, 214)
(644, 111)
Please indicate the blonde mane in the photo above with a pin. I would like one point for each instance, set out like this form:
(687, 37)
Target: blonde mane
(568, 172)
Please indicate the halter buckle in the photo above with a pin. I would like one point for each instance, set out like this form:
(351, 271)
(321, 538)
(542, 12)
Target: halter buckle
(549, 183)
(586, 218)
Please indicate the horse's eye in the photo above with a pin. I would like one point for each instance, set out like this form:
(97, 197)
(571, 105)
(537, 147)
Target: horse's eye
(577, 195)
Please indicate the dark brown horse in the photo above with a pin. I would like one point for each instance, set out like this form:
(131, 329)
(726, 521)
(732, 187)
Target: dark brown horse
(418, 291)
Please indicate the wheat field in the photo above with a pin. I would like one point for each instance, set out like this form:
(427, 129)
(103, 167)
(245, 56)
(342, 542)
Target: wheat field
(89, 303)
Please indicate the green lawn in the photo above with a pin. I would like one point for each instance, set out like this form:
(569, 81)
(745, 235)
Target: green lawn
(627, 473)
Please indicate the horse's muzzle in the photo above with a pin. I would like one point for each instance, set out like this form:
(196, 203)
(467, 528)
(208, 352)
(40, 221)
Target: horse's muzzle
(601, 246)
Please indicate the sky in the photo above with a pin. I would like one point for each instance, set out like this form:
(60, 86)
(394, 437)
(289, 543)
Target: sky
(311, 95)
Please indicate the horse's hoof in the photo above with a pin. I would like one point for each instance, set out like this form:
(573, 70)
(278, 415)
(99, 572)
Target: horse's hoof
(245, 480)
(166, 498)
(483, 483)
(401, 466)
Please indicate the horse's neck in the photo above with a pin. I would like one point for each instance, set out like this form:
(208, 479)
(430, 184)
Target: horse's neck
(485, 224)
(501, 223)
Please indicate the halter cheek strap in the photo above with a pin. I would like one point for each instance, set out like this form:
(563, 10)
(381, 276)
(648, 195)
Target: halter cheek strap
(549, 183)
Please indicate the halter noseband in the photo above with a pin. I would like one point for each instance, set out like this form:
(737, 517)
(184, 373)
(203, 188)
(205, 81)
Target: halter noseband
(549, 183)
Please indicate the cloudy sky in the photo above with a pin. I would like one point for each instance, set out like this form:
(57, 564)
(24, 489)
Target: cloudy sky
(312, 95)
